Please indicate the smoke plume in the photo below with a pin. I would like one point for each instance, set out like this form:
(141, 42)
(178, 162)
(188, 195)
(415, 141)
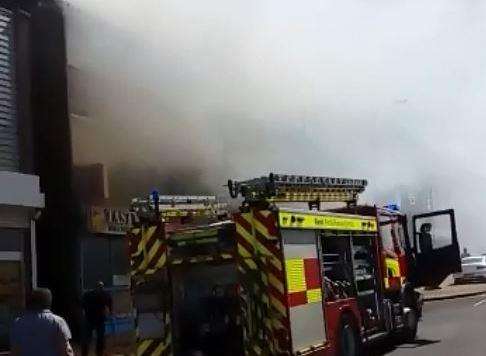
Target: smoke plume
(180, 96)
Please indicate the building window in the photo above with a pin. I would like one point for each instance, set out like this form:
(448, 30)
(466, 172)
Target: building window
(11, 239)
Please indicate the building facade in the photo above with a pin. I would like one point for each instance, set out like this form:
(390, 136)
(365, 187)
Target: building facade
(21, 200)
(38, 218)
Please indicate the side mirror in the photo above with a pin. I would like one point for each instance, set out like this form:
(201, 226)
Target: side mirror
(425, 238)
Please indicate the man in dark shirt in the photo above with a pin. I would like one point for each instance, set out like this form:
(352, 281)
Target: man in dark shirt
(97, 304)
(425, 238)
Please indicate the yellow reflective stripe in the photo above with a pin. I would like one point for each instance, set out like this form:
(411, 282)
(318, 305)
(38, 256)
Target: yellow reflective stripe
(240, 230)
(268, 323)
(264, 279)
(392, 266)
(138, 252)
(314, 295)
(250, 263)
(150, 256)
(295, 275)
(161, 261)
(147, 234)
(162, 346)
(247, 258)
(387, 282)
(316, 221)
(278, 305)
(274, 281)
(143, 346)
(262, 229)
(243, 252)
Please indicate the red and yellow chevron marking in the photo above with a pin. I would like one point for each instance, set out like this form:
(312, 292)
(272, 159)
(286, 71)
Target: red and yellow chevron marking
(148, 250)
(154, 347)
(303, 281)
(159, 346)
(260, 263)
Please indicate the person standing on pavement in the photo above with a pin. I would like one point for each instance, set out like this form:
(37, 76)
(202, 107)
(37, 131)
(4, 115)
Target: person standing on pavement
(97, 305)
(40, 332)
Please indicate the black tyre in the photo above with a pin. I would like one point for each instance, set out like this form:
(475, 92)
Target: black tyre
(349, 338)
(411, 325)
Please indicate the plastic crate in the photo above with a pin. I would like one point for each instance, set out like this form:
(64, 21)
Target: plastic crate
(109, 326)
(118, 325)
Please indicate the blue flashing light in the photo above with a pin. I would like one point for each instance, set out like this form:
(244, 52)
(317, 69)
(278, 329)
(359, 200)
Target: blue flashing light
(392, 206)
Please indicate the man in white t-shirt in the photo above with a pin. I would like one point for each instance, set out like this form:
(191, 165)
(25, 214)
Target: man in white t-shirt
(39, 331)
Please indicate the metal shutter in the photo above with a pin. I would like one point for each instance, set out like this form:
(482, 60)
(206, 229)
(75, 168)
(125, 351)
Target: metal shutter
(9, 155)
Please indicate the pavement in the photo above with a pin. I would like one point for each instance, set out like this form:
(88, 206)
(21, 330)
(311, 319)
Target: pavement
(449, 327)
(449, 290)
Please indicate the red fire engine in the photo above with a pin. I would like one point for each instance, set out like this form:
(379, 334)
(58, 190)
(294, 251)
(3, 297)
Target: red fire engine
(285, 276)
(322, 282)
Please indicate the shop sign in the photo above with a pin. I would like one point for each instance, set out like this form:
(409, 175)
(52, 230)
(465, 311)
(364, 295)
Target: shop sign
(110, 220)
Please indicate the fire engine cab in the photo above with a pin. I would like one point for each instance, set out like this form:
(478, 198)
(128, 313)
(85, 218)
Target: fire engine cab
(317, 281)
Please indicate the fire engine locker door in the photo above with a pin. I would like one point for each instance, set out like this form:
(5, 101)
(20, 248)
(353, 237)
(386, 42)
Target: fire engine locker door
(304, 289)
(436, 248)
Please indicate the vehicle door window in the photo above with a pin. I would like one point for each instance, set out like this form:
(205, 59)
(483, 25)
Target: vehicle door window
(401, 236)
(392, 235)
(434, 232)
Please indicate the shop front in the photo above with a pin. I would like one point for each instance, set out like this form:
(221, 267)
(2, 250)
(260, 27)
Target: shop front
(104, 251)
(20, 205)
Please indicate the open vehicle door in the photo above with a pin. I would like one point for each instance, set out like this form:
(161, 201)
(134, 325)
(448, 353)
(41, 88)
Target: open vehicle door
(435, 247)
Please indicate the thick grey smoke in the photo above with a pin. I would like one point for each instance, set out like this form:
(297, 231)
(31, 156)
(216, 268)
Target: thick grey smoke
(183, 95)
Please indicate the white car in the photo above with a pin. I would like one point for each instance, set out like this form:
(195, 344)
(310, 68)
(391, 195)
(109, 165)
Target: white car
(473, 269)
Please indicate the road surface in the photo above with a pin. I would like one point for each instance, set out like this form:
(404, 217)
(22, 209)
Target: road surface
(449, 327)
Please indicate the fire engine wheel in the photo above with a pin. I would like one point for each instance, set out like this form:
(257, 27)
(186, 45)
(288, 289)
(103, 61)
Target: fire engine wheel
(349, 339)
(411, 325)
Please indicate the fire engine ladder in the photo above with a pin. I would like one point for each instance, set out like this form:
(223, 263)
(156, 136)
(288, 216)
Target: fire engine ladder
(298, 188)
(179, 205)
